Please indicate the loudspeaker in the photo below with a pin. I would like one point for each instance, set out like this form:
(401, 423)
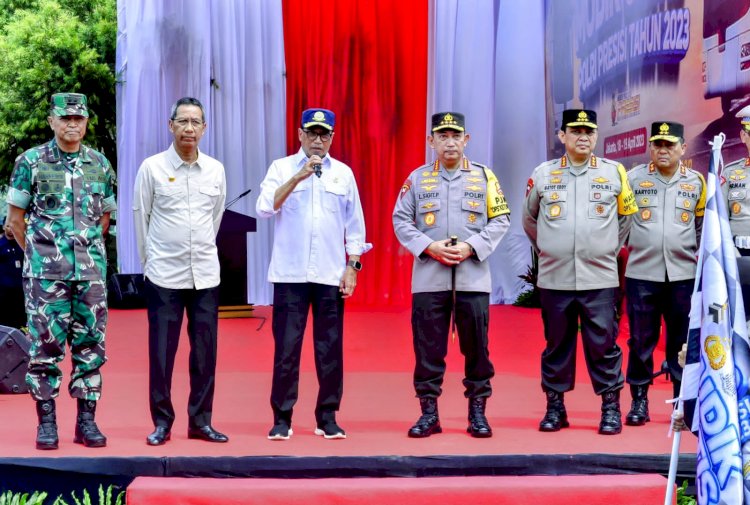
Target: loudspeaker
(14, 360)
(126, 291)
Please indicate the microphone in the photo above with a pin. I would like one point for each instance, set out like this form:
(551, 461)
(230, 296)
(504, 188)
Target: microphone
(318, 168)
(235, 200)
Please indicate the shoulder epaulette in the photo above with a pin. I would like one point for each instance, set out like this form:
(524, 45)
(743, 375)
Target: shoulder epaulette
(479, 165)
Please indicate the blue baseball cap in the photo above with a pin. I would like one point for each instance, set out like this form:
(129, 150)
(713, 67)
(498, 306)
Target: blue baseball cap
(318, 117)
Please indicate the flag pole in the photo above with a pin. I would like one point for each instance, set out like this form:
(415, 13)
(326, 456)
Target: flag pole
(677, 413)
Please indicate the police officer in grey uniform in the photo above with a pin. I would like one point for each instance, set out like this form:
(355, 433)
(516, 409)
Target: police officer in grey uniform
(451, 197)
(736, 189)
(662, 247)
(577, 215)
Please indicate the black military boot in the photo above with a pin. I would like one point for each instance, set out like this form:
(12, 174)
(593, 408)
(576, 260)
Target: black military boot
(638, 415)
(429, 422)
(87, 432)
(611, 423)
(46, 432)
(556, 417)
(478, 425)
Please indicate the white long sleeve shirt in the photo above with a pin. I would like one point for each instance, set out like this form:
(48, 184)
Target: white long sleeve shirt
(317, 226)
(177, 211)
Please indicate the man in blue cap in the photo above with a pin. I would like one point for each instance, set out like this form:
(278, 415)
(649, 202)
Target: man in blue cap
(319, 237)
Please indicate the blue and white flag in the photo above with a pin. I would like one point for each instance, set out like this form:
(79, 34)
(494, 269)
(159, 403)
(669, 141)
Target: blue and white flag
(717, 370)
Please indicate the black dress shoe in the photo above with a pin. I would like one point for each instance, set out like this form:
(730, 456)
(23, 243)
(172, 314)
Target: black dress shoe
(207, 433)
(159, 437)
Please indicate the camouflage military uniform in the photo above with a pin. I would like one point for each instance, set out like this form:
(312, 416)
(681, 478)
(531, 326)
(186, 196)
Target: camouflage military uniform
(65, 195)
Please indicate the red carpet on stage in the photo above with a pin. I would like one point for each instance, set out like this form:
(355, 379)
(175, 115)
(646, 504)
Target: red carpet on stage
(531, 490)
(378, 405)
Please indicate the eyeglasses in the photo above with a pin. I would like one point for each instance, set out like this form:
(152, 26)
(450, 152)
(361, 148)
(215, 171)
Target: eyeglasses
(184, 122)
(324, 137)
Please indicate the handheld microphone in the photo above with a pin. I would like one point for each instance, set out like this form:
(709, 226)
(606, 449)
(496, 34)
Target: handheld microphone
(318, 168)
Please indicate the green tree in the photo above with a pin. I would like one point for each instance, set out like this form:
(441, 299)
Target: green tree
(51, 46)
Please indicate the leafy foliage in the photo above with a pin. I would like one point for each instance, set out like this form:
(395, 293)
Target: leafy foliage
(51, 46)
(105, 498)
(10, 498)
(682, 498)
(530, 297)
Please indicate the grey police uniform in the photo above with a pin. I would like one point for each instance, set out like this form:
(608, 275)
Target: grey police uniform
(434, 204)
(661, 266)
(734, 186)
(577, 219)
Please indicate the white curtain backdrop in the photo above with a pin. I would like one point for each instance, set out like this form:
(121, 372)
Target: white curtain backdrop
(229, 55)
(500, 88)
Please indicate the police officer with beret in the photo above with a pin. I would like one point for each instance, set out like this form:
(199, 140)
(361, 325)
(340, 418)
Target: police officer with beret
(662, 247)
(66, 191)
(736, 189)
(451, 197)
(577, 215)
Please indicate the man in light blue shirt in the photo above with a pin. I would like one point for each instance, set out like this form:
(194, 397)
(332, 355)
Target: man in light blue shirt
(318, 222)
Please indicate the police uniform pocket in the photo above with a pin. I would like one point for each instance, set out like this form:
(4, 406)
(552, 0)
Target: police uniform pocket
(554, 204)
(684, 211)
(601, 204)
(736, 194)
(335, 197)
(169, 197)
(427, 212)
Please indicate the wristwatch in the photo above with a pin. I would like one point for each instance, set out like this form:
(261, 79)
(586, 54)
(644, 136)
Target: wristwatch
(356, 265)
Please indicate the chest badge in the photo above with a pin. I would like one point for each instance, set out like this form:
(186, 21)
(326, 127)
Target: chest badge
(685, 217)
(688, 187)
(472, 218)
(429, 187)
(645, 200)
(687, 204)
(736, 208)
(473, 204)
(554, 211)
(554, 196)
(599, 209)
(429, 219)
(646, 214)
(555, 180)
(601, 180)
(597, 196)
(646, 184)
(428, 205)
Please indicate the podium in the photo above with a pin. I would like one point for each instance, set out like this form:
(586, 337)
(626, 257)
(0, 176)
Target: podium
(231, 243)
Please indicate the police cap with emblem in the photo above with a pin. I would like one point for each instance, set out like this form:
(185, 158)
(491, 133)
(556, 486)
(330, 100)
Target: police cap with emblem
(69, 104)
(744, 115)
(578, 117)
(318, 117)
(448, 121)
(667, 130)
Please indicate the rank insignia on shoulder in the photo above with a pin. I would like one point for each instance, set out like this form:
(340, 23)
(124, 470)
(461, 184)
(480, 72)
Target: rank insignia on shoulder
(601, 180)
(646, 184)
(594, 161)
(747, 162)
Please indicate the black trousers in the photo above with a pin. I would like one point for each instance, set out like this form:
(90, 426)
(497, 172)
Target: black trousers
(430, 322)
(647, 302)
(561, 312)
(291, 304)
(165, 309)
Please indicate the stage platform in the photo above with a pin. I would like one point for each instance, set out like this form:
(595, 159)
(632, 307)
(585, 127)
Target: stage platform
(377, 410)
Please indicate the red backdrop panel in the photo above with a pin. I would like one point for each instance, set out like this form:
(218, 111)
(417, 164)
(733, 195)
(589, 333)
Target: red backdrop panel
(366, 61)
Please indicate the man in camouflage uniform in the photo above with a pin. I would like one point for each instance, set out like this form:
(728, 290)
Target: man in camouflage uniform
(451, 197)
(577, 215)
(60, 198)
(735, 185)
(662, 249)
